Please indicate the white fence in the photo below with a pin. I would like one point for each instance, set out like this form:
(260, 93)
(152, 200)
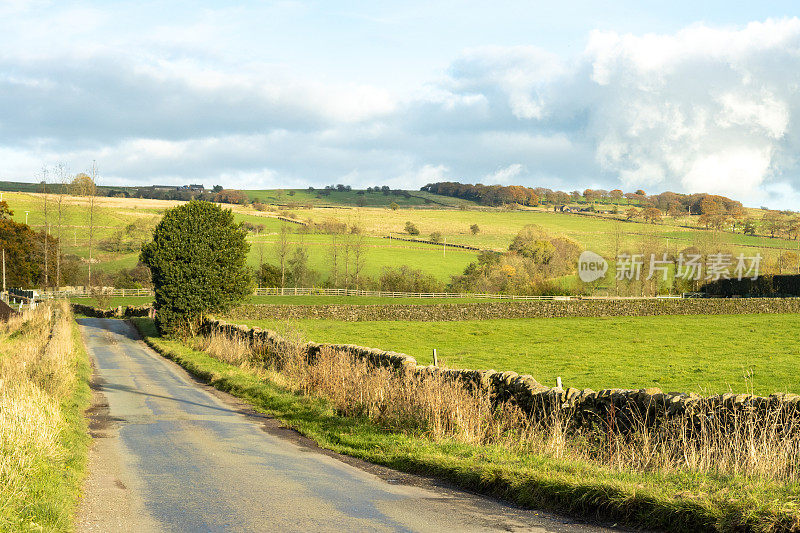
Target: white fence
(85, 293)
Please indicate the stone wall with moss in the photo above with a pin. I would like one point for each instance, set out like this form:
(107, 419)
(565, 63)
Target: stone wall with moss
(607, 409)
(528, 309)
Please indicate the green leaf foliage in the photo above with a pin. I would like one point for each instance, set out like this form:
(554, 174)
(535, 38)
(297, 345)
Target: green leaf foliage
(197, 259)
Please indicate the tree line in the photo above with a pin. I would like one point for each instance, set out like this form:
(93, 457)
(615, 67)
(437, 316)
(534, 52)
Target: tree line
(667, 202)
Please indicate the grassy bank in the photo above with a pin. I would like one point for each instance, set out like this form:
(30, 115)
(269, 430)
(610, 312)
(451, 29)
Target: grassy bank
(44, 374)
(673, 499)
(710, 354)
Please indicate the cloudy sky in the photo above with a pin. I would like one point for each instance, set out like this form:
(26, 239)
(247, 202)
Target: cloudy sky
(683, 95)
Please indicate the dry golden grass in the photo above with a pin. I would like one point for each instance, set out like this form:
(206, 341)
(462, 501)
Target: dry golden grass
(751, 444)
(37, 373)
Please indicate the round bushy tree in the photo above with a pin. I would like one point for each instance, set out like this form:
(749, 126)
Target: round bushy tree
(198, 262)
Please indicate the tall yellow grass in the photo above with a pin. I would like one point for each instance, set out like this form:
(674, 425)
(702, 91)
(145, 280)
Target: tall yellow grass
(36, 374)
(748, 444)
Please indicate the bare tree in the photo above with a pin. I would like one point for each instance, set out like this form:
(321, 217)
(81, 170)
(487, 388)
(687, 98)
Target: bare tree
(92, 194)
(282, 248)
(60, 194)
(650, 249)
(298, 263)
(85, 185)
(46, 229)
(346, 246)
(334, 252)
(359, 250)
(617, 236)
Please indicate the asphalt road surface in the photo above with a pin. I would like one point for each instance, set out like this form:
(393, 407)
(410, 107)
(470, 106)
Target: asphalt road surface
(171, 454)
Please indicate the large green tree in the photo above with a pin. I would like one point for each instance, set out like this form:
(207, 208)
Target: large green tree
(197, 260)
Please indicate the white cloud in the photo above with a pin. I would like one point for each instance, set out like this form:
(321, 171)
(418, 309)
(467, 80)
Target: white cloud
(505, 175)
(521, 73)
(737, 171)
(426, 174)
(763, 111)
(703, 109)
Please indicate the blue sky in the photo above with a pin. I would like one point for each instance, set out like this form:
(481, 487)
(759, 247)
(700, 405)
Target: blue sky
(683, 96)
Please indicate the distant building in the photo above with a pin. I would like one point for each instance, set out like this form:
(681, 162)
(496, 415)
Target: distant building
(194, 187)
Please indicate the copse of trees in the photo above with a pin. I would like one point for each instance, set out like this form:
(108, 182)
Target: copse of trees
(652, 215)
(411, 228)
(674, 204)
(25, 251)
(197, 259)
(492, 195)
(534, 258)
(777, 224)
(694, 204)
(232, 196)
(407, 279)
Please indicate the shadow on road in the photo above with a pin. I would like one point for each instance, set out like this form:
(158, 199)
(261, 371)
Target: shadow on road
(126, 388)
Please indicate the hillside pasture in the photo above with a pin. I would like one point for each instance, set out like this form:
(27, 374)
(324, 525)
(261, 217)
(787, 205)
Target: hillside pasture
(497, 228)
(353, 198)
(378, 254)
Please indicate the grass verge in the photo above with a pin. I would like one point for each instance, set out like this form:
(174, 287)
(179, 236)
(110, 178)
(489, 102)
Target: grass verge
(675, 501)
(44, 439)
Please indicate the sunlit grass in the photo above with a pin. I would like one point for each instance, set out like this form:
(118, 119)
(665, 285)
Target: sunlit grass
(712, 353)
(43, 438)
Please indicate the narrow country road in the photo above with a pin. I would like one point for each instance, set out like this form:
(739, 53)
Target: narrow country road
(171, 454)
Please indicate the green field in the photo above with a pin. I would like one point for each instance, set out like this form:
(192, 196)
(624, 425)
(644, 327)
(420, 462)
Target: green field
(353, 198)
(704, 354)
(378, 254)
(114, 301)
(497, 228)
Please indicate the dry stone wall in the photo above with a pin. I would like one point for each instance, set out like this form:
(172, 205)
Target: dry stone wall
(114, 312)
(616, 409)
(528, 309)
